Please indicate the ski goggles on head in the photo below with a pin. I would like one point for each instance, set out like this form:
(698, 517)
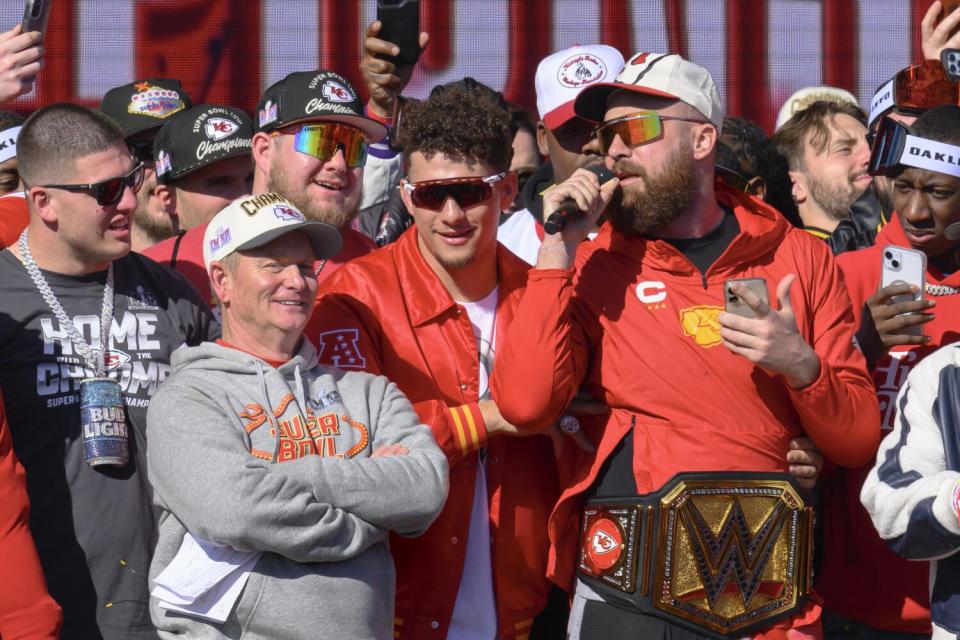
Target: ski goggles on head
(896, 147)
(634, 129)
(914, 89)
(466, 192)
(323, 139)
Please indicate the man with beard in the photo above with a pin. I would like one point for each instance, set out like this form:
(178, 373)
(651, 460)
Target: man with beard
(429, 312)
(642, 325)
(141, 108)
(310, 147)
(826, 148)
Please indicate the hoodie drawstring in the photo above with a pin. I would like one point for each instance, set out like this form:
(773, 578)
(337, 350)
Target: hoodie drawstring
(270, 419)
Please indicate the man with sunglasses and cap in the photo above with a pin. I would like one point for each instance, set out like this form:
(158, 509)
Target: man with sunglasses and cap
(304, 468)
(898, 327)
(705, 378)
(141, 108)
(203, 164)
(86, 335)
(429, 311)
(311, 146)
(562, 136)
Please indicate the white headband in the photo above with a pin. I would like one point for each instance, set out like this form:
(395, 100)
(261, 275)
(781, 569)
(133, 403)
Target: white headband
(882, 101)
(8, 143)
(931, 155)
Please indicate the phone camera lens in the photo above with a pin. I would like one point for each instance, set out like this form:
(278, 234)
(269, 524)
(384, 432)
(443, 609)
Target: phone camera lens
(887, 255)
(895, 264)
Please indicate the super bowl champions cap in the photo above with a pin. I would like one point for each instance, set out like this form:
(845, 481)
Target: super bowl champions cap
(665, 75)
(562, 75)
(253, 221)
(200, 137)
(145, 104)
(315, 95)
(803, 98)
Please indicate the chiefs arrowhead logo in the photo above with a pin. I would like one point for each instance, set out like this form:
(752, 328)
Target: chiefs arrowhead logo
(115, 359)
(702, 324)
(219, 128)
(605, 544)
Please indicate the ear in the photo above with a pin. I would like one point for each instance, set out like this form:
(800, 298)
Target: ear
(507, 190)
(542, 139)
(405, 196)
(799, 188)
(221, 281)
(759, 186)
(704, 140)
(262, 150)
(167, 196)
(39, 201)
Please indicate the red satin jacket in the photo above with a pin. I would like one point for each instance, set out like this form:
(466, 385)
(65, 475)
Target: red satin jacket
(639, 327)
(388, 313)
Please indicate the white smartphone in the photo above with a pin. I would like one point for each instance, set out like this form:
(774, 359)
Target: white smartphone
(900, 265)
(732, 302)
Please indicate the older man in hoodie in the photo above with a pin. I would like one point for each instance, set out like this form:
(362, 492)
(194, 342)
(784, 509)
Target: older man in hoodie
(248, 546)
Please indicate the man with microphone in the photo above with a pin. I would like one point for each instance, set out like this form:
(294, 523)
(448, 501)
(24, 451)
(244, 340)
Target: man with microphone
(716, 332)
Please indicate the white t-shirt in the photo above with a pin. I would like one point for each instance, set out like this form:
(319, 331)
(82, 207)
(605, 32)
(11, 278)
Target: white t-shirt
(475, 611)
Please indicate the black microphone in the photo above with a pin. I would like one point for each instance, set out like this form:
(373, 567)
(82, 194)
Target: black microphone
(558, 219)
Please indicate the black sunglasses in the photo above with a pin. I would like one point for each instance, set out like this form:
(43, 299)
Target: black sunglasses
(109, 191)
(142, 151)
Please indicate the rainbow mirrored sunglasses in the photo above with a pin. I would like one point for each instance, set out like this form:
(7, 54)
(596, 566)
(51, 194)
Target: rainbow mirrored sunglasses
(322, 139)
(634, 129)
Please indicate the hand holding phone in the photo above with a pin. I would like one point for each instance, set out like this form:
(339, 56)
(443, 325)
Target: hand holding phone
(897, 307)
(36, 15)
(735, 305)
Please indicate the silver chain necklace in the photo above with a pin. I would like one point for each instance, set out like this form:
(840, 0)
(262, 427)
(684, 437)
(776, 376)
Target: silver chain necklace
(940, 290)
(94, 358)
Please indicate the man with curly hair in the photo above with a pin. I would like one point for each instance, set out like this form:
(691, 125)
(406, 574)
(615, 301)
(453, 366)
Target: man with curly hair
(428, 311)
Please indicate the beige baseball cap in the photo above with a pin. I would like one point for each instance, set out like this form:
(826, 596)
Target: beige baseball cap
(665, 75)
(253, 221)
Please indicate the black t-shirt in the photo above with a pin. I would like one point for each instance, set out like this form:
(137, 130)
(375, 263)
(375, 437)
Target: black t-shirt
(94, 529)
(615, 478)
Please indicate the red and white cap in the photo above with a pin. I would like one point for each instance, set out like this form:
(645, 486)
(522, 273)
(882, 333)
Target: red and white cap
(561, 76)
(664, 75)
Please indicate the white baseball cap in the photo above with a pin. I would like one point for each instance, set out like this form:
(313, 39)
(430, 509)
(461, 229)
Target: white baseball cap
(561, 76)
(803, 98)
(253, 221)
(664, 75)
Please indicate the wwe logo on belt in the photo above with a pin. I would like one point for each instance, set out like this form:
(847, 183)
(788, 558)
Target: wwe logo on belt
(734, 552)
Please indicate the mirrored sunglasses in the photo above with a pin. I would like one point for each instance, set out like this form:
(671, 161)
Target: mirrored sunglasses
(466, 192)
(107, 192)
(323, 139)
(735, 180)
(635, 129)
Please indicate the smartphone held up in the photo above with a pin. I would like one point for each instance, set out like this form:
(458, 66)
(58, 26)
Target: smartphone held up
(36, 16)
(400, 24)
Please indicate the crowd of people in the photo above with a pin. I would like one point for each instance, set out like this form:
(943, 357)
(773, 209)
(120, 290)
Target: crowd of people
(320, 371)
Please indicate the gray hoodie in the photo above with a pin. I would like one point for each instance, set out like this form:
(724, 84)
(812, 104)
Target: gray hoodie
(278, 461)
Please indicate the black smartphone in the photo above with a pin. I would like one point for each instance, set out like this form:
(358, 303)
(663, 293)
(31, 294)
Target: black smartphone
(401, 26)
(36, 15)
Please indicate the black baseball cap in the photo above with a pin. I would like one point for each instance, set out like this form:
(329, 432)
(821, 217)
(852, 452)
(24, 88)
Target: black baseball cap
(145, 104)
(200, 136)
(315, 95)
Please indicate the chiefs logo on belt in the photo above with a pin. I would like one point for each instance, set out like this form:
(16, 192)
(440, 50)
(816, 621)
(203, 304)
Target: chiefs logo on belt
(605, 544)
(701, 323)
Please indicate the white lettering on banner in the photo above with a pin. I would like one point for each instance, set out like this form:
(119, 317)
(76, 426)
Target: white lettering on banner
(931, 155)
(882, 101)
(225, 146)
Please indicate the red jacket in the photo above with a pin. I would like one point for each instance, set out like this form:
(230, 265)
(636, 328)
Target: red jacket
(14, 217)
(639, 328)
(861, 577)
(27, 612)
(389, 314)
(190, 256)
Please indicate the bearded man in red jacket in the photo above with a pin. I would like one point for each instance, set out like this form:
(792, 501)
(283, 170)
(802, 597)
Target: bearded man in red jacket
(684, 524)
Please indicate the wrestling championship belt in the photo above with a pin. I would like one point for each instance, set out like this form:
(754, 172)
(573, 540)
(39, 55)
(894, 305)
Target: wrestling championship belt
(722, 554)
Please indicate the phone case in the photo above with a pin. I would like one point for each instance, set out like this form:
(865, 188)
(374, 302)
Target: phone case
(733, 304)
(401, 26)
(36, 14)
(901, 265)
